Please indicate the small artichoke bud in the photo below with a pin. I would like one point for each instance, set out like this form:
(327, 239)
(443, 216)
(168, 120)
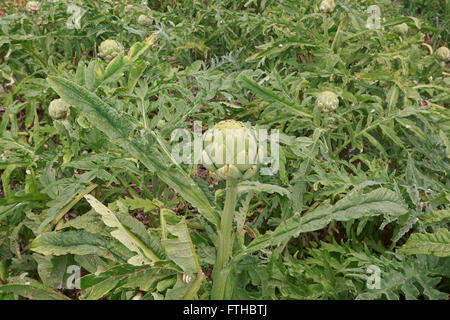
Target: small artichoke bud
(109, 49)
(161, 123)
(327, 6)
(129, 8)
(144, 20)
(443, 53)
(327, 101)
(32, 6)
(58, 109)
(401, 28)
(230, 151)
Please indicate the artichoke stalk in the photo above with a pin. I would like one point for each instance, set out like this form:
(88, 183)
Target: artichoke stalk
(221, 270)
(109, 49)
(230, 152)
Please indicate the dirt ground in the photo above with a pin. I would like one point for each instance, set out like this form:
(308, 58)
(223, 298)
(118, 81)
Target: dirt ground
(10, 3)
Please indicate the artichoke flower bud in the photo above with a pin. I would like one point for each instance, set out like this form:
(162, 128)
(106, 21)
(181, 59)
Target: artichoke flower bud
(58, 109)
(230, 150)
(401, 28)
(129, 8)
(109, 49)
(144, 20)
(161, 123)
(327, 6)
(32, 6)
(443, 53)
(327, 101)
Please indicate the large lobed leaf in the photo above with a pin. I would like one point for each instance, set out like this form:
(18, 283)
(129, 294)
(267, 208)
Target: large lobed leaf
(354, 206)
(181, 249)
(118, 128)
(131, 233)
(437, 243)
(75, 242)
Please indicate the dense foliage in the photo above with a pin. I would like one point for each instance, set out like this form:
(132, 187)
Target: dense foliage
(91, 92)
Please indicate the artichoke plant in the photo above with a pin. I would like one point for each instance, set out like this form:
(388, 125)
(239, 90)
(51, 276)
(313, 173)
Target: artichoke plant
(109, 49)
(32, 6)
(327, 101)
(327, 6)
(58, 109)
(230, 151)
(144, 20)
(443, 53)
(225, 156)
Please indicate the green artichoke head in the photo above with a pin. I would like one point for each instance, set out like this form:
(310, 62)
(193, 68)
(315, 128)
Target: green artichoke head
(401, 28)
(161, 123)
(58, 109)
(443, 53)
(32, 6)
(327, 101)
(230, 150)
(144, 20)
(109, 49)
(327, 6)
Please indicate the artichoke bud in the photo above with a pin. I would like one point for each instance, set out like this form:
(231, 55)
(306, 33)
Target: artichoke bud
(401, 28)
(230, 150)
(58, 109)
(443, 53)
(161, 123)
(144, 20)
(32, 6)
(327, 6)
(243, 162)
(129, 8)
(229, 172)
(327, 101)
(109, 49)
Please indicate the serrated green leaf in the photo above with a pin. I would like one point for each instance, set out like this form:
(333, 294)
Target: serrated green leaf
(131, 233)
(355, 206)
(436, 216)
(75, 242)
(269, 96)
(437, 243)
(32, 289)
(181, 249)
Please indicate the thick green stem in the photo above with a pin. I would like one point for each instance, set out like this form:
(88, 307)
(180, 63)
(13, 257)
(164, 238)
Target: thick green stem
(220, 272)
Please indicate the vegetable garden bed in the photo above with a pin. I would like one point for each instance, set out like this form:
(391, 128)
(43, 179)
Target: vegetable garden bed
(331, 116)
